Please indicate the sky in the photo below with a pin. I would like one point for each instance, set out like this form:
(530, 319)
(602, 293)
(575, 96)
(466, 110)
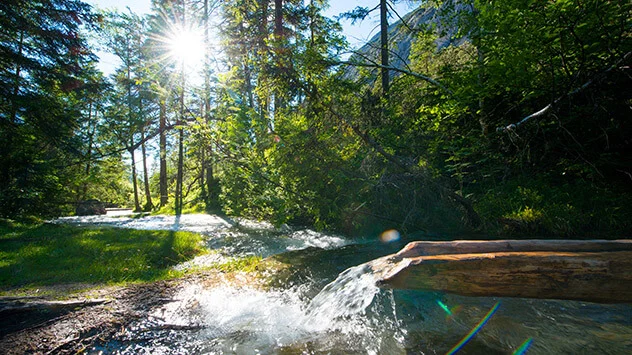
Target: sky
(356, 34)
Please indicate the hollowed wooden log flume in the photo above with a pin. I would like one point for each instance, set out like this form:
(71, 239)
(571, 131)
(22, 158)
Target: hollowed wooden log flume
(585, 270)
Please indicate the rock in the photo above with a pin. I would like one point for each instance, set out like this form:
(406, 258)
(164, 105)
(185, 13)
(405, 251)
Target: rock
(90, 207)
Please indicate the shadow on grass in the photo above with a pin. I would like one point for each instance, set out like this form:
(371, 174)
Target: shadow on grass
(51, 254)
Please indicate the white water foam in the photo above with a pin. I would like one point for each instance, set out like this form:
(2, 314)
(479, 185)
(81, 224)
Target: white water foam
(247, 320)
(309, 238)
(197, 223)
(232, 238)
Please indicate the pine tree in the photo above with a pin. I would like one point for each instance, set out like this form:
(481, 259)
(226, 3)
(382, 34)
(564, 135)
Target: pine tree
(42, 54)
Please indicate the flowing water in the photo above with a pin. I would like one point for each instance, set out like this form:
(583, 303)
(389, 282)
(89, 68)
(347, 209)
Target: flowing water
(331, 305)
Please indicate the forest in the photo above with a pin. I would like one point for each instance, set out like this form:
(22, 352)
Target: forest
(510, 118)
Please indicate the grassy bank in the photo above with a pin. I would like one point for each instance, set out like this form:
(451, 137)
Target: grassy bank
(45, 254)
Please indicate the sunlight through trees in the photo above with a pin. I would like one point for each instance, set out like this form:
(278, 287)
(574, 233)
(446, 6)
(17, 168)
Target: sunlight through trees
(509, 117)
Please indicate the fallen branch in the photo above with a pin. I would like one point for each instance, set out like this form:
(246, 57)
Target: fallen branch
(424, 248)
(473, 219)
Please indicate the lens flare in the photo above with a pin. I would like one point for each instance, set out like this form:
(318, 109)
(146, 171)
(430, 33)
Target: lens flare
(389, 236)
(445, 307)
(474, 330)
(450, 311)
(522, 349)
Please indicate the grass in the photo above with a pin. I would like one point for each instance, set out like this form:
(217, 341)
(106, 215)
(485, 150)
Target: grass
(169, 209)
(46, 254)
(245, 264)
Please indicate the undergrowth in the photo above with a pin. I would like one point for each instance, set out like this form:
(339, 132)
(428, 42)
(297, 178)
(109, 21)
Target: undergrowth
(539, 207)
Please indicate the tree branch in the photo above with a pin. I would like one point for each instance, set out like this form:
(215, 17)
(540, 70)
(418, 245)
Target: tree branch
(548, 107)
(425, 78)
(400, 18)
(473, 219)
(123, 149)
(370, 141)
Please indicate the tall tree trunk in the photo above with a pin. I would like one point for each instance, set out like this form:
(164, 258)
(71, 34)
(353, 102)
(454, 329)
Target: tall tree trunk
(16, 85)
(278, 36)
(313, 13)
(205, 101)
(263, 53)
(211, 186)
(384, 45)
(164, 195)
(134, 178)
(247, 75)
(202, 175)
(92, 131)
(482, 120)
(131, 128)
(148, 203)
(180, 173)
(278, 19)
(206, 175)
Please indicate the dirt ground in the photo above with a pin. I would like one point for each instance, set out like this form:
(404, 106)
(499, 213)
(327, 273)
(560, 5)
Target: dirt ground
(64, 331)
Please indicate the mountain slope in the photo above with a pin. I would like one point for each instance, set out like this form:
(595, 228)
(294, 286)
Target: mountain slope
(401, 35)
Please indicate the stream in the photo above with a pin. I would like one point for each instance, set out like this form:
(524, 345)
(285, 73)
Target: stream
(330, 304)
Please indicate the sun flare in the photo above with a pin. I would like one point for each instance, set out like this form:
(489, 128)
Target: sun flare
(186, 46)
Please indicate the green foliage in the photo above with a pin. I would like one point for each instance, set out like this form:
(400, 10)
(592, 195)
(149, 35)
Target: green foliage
(47, 254)
(286, 135)
(328, 157)
(108, 181)
(518, 57)
(44, 60)
(279, 164)
(541, 206)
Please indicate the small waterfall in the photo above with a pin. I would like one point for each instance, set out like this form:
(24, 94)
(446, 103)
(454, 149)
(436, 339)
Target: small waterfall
(355, 306)
(352, 292)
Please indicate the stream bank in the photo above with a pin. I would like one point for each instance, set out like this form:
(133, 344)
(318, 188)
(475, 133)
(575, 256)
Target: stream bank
(307, 299)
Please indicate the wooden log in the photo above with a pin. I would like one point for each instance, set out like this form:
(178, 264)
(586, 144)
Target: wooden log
(420, 248)
(461, 267)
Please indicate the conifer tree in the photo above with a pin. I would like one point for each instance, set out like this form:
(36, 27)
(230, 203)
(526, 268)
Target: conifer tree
(42, 54)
